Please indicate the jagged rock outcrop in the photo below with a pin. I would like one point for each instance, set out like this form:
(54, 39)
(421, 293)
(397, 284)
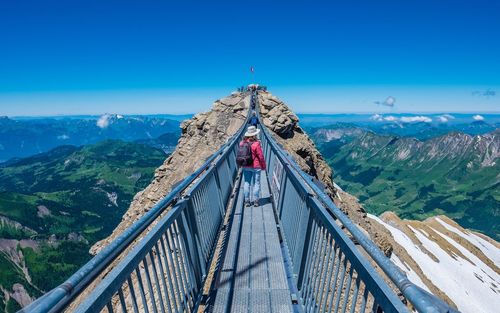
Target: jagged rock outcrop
(8, 223)
(201, 136)
(10, 250)
(20, 295)
(285, 124)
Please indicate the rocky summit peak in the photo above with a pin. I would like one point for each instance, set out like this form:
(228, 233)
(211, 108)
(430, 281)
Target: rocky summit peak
(201, 136)
(205, 132)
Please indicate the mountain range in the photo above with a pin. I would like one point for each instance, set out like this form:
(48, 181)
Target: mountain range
(455, 174)
(25, 137)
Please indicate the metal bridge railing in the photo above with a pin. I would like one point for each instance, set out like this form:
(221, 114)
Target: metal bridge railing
(330, 273)
(179, 247)
(166, 270)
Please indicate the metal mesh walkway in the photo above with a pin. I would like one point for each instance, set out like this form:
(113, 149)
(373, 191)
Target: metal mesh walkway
(252, 277)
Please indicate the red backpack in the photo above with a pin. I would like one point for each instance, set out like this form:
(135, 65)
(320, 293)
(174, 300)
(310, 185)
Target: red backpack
(244, 154)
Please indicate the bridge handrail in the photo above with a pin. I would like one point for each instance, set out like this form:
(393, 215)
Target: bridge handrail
(58, 298)
(422, 300)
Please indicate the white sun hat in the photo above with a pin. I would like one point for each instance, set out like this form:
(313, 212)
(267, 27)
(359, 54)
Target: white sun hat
(252, 131)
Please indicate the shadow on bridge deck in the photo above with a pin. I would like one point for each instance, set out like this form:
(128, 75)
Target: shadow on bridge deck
(252, 276)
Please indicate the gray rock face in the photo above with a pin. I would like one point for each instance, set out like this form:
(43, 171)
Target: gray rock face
(201, 136)
(42, 211)
(20, 295)
(9, 248)
(285, 124)
(276, 115)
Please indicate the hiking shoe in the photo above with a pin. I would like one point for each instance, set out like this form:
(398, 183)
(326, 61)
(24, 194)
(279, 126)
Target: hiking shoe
(247, 203)
(256, 203)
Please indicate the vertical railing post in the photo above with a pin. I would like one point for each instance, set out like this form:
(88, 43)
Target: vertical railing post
(302, 229)
(194, 233)
(283, 185)
(305, 250)
(219, 191)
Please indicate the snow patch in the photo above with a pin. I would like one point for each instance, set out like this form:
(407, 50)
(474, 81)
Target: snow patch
(457, 278)
(469, 286)
(489, 250)
(412, 275)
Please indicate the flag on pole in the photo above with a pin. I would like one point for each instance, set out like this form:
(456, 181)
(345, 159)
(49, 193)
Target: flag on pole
(252, 69)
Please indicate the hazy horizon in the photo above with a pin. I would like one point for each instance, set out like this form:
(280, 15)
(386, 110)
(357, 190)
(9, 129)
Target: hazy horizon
(327, 100)
(193, 113)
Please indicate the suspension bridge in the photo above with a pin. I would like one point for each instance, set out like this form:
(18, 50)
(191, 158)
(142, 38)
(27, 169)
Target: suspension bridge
(200, 250)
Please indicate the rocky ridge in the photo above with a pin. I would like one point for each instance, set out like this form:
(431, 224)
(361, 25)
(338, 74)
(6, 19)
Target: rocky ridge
(278, 117)
(201, 136)
(206, 132)
(480, 150)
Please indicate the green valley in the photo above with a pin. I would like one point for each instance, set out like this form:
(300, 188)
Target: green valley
(454, 174)
(55, 205)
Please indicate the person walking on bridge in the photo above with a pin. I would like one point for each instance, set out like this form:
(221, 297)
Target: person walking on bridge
(254, 121)
(251, 158)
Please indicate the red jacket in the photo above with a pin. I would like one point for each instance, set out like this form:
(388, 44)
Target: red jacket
(257, 155)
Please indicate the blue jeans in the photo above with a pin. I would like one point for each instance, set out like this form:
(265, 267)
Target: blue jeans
(251, 177)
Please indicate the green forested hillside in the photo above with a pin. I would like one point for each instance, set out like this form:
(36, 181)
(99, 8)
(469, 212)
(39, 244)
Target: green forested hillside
(55, 205)
(454, 174)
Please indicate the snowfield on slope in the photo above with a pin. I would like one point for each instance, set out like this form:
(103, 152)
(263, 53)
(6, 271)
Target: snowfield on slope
(471, 284)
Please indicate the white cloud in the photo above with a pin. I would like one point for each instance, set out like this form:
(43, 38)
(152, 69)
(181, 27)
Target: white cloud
(445, 118)
(478, 117)
(103, 121)
(405, 119)
(412, 119)
(380, 118)
(63, 137)
(389, 101)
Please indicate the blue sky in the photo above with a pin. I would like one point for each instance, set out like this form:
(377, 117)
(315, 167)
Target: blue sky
(78, 57)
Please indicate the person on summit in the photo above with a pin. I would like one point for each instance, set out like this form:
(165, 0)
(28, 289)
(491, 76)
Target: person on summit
(254, 121)
(251, 158)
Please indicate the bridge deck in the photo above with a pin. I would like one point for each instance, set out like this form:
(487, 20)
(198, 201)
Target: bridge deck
(252, 276)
